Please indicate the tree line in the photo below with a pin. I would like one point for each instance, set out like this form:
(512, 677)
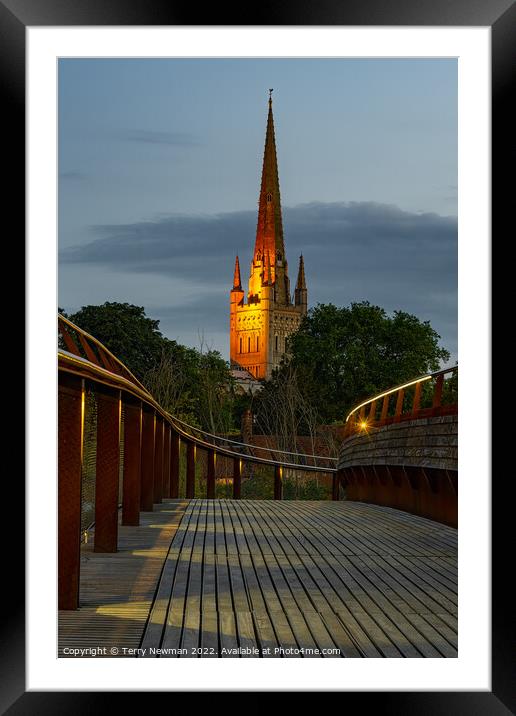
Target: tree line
(338, 357)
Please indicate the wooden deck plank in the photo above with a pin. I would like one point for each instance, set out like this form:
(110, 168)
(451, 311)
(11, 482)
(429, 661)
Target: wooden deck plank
(220, 535)
(266, 636)
(209, 634)
(238, 588)
(246, 636)
(396, 532)
(224, 595)
(118, 590)
(227, 632)
(315, 577)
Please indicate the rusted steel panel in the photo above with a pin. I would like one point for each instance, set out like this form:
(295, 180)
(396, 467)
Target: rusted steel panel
(69, 341)
(426, 492)
(237, 478)
(385, 408)
(278, 482)
(90, 355)
(174, 465)
(416, 400)
(132, 463)
(70, 436)
(210, 475)
(106, 360)
(438, 391)
(399, 404)
(335, 487)
(147, 461)
(158, 461)
(190, 470)
(107, 470)
(166, 461)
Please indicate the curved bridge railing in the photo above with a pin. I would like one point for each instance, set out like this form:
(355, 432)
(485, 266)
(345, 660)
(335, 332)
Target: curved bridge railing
(139, 454)
(292, 460)
(400, 448)
(433, 394)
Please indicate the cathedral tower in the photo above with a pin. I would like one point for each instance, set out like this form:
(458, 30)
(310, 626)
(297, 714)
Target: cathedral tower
(260, 326)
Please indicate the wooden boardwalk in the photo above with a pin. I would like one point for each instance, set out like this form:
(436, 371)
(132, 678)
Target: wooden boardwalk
(305, 579)
(117, 590)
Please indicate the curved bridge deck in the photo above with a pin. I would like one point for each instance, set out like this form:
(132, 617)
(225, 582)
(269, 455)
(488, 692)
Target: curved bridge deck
(270, 578)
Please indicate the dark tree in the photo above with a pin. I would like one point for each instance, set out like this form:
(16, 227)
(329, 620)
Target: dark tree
(344, 355)
(195, 386)
(128, 333)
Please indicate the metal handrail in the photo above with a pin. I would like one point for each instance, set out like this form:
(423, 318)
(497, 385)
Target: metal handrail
(385, 395)
(254, 447)
(88, 337)
(82, 367)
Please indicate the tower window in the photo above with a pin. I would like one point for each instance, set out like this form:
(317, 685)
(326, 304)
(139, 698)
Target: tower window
(249, 344)
(240, 345)
(257, 343)
(269, 198)
(276, 342)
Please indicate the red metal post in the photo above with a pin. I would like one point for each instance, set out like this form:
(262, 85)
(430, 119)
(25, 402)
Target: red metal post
(166, 461)
(190, 470)
(385, 408)
(132, 463)
(147, 463)
(158, 461)
(399, 403)
(107, 362)
(109, 406)
(90, 355)
(174, 465)
(372, 412)
(335, 487)
(69, 342)
(237, 478)
(70, 439)
(438, 391)
(417, 399)
(278, 482)
(210, 476)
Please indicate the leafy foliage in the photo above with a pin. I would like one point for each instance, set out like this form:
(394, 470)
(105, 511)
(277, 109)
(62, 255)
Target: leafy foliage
(126, 331)
(344, 355)
(195, 386)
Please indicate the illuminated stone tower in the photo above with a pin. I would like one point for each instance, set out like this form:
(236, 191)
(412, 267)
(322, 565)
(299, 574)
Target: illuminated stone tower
(260, 326)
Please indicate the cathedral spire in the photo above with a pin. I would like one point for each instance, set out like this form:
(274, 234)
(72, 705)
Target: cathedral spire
(269, 231)
(261, 323)
(237, 282)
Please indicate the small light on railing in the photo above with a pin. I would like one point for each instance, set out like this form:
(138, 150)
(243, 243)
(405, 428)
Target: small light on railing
(363, 425)
(85, 535)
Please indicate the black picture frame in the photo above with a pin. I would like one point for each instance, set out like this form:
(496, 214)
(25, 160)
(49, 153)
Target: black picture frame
(500, 15)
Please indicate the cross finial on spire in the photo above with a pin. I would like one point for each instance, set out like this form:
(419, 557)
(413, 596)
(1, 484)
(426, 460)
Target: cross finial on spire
(270, 95)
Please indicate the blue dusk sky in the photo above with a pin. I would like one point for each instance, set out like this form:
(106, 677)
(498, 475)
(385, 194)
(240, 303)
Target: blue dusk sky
(159, 175)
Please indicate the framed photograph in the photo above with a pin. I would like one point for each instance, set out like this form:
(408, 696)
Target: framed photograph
(101, 198)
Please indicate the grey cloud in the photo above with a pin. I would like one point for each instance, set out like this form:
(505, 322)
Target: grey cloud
(353, 251)
(361, 233)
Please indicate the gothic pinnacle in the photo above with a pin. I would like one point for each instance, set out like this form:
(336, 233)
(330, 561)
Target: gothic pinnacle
(237, 282)
(301, 280)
